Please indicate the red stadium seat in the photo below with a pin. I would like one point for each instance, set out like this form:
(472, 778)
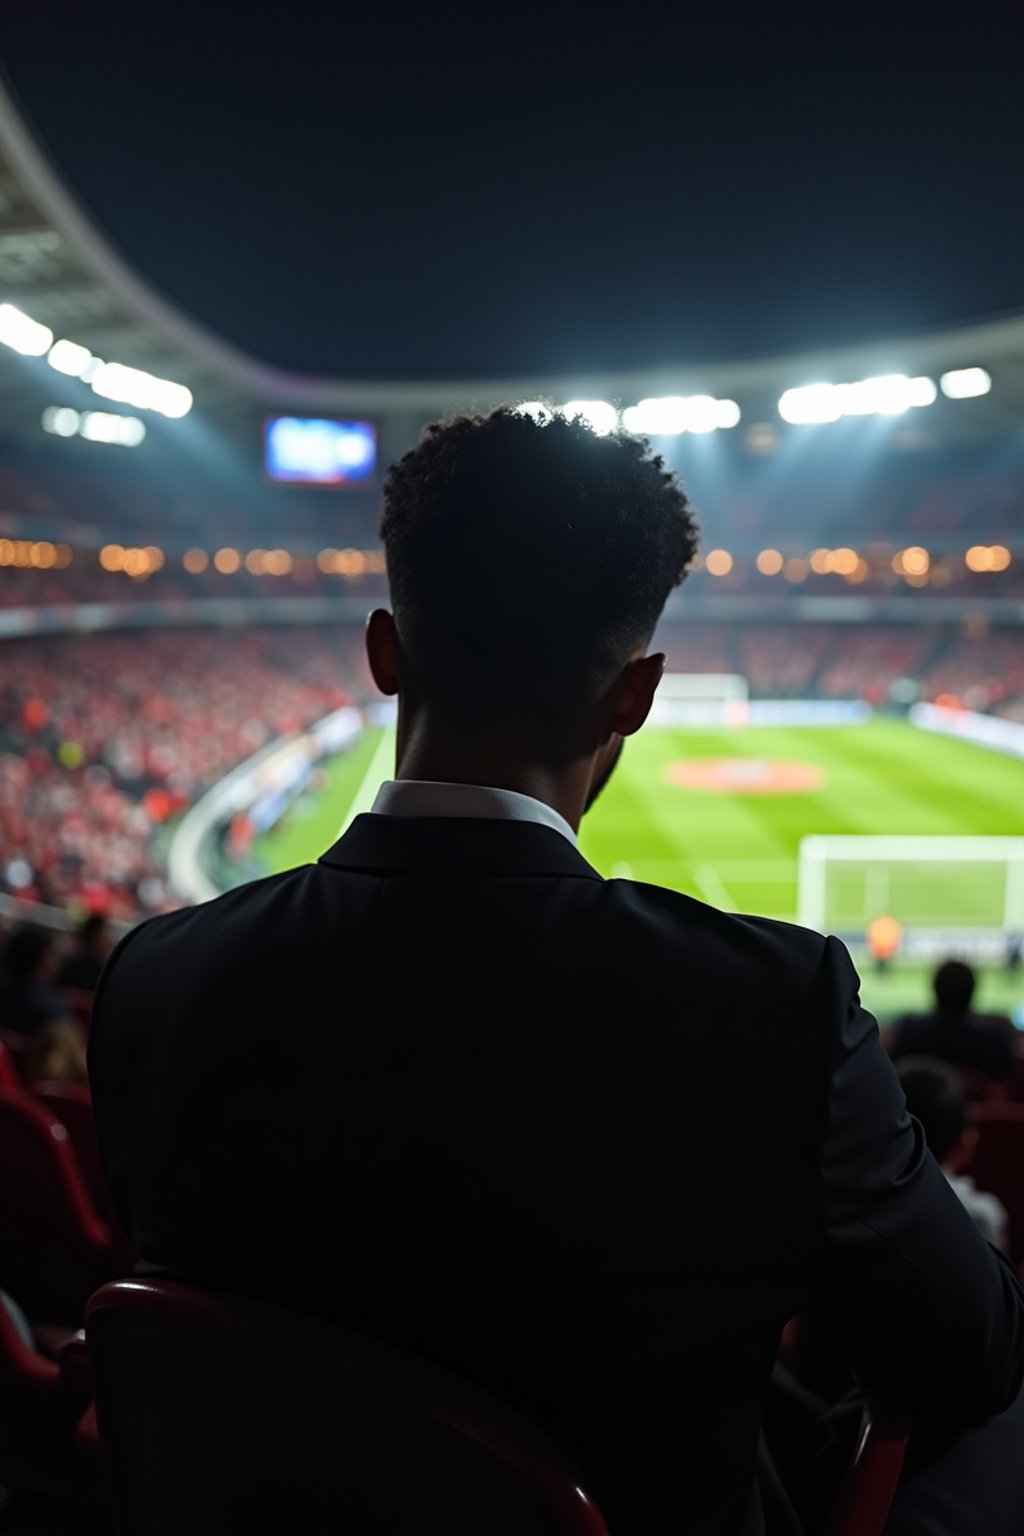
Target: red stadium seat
(42, 1402)
(14, 1044)
(218, 1416)
(870, 1483)
(998, 1163)
(9, 1074)
(54, 1249)
(72, 1106)
(195, 1391)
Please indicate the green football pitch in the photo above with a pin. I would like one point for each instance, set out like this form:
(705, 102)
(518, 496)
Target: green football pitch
(720, 814)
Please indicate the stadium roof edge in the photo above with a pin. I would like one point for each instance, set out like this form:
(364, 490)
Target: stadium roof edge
(981, 341)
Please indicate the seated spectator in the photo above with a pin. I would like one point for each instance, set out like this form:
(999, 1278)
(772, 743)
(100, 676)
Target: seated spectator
(936, 1097)
(93, 943)
(55, 1053)
(591, 1143)
(952, 1032)
(28, 998)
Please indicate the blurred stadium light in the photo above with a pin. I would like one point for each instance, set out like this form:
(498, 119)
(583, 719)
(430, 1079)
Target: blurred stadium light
(601, 416)
(23, 334)
(96, 426)
(965, 383)
(888, 394)
(669, 415)
(70, 358)
(133, 386)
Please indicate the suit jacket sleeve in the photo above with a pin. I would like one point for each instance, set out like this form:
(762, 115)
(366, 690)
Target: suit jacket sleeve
(924, 1310)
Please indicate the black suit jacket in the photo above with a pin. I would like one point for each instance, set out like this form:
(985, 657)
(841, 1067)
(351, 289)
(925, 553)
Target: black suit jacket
(589, 1142)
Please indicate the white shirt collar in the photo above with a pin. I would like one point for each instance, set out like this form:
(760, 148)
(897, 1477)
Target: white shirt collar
(425, 797)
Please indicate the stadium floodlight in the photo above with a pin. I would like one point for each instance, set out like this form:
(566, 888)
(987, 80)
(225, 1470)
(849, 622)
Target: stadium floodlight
(103, 427)
(61, 421)
(965, 383)
(888, 394)
(599, 415)
(133, 386)
(68, 357)
(811, 404)
(535, 409)
(22, 334)
(664, 416)
(923, 391)
(669, 415)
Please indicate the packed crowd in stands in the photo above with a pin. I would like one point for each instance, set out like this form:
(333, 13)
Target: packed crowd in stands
(103, 738)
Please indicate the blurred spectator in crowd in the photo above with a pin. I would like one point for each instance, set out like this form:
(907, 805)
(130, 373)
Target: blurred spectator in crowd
(28, 997)
(93, 943)
(952, 1032)
(936, 1097)
(56, 1054)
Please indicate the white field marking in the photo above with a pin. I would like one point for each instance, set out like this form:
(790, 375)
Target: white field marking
(756, 871)
(711, 887)
(371, 780)
(622, 871)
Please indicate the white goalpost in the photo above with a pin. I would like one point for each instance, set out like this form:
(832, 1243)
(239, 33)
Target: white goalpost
(950, 885)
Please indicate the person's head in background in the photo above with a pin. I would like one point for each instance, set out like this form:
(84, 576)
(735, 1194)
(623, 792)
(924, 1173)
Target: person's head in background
(93, 936)
(935, 1096)
(953, 985)
(31, 954)
(55, 1053)
(529, 561)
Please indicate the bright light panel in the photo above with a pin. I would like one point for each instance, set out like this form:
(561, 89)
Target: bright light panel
(133, 386)
(60, 420)
(598, 414)
(887, 394)
(669, 415)
(68, 357)
(23, 335)
(965, 383)
(103, 427)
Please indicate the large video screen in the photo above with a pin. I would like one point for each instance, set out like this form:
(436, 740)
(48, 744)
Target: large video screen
(304, 450)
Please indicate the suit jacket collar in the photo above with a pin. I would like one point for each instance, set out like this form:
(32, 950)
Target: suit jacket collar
(443, 845)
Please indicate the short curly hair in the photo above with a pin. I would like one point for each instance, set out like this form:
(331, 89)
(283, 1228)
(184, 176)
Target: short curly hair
(528, 558)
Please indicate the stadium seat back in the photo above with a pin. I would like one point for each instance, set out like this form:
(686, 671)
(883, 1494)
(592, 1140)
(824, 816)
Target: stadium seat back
(998, 1163)
(219, 1416)
(54, 1249)
(72, 1106)
(9, 1074)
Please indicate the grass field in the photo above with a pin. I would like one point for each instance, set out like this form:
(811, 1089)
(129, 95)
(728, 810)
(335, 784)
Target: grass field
(737, 849)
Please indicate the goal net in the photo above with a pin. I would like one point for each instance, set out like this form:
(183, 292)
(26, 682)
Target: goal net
(952, 884)
(701, 699)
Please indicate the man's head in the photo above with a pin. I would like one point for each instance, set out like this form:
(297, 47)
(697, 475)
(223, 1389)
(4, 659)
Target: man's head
(953, 984)
(529, 562)
(935, 1096)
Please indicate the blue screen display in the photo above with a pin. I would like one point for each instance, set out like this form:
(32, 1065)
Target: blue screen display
(305, 450)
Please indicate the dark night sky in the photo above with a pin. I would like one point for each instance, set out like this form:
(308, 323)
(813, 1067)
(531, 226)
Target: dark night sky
(359, 191)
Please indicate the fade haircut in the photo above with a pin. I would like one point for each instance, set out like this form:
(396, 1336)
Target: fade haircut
(528, 559)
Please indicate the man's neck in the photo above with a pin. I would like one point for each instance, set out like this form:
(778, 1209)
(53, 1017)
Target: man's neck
(563, 788)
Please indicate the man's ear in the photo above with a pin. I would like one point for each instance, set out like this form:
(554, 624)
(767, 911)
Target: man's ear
(382, 650)
(633, 693)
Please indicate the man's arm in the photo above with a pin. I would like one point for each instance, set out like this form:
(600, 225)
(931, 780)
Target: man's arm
(922, 1307)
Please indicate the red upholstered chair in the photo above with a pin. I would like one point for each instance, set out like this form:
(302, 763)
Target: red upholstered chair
(998, 1163)
(14, 1044)
(871, 1478)
(54, 1249)
(72, 1106)
(42, 1402)
(220, 1416)
(10, 1077)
